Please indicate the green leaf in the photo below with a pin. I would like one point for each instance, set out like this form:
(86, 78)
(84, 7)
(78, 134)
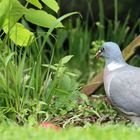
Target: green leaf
(4, 6)
(41, 18)
(63, 112)
(15, 12)
(35, 3)
(32, 120)
(12, 11)
(8, 58)
(3, 81)
(66, 59)
(52, 4)
(51, 66)
(3, 95)
(84, 98)
(63, 34)
(19, 34)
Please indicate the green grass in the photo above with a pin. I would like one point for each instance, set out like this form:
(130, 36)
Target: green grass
(107, 132)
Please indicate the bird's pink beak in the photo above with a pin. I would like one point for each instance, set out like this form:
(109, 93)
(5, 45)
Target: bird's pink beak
(98, 54)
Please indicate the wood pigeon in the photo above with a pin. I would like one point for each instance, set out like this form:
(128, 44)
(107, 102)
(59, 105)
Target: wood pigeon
(121, 82)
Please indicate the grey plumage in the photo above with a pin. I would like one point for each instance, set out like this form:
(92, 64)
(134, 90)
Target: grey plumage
(125, 89)
(121, 82)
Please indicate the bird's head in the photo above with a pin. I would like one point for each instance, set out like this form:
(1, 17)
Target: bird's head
(109, 50)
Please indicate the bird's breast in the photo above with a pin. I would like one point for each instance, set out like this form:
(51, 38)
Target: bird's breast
(113, 66)
(108, 75)
(109, 70)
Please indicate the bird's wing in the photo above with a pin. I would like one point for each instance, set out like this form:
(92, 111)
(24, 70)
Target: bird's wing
(124, 90)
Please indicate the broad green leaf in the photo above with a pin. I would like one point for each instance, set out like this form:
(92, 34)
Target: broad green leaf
(4, 6)
(15, 12)
(41, 18)
(52, 4)
(19, 34)
(66, 59)
(35, 3)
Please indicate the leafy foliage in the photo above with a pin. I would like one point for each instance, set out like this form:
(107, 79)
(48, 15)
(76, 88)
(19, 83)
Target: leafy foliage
(41, 18)
(43, 69)
(27, 89)
(9, 20)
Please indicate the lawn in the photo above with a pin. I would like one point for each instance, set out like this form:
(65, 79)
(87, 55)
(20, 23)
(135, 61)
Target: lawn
(94, 132)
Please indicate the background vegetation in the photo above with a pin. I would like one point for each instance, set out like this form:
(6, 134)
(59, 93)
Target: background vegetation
(47, 55)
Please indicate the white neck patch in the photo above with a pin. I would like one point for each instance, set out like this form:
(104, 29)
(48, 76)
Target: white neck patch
(113, 66)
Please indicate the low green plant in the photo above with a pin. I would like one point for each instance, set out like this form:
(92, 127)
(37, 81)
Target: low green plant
(74, 40)
(26, 85)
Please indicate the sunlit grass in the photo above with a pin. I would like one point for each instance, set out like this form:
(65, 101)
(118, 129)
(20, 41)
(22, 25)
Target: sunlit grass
(107, 132)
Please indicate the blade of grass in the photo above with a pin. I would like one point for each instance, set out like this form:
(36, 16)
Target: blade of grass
(101, 20)
(116, 15)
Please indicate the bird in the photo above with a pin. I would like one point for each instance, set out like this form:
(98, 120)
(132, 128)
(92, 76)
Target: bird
(121, 82)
